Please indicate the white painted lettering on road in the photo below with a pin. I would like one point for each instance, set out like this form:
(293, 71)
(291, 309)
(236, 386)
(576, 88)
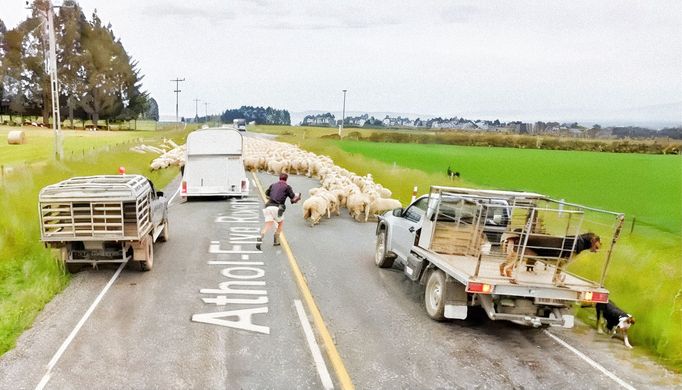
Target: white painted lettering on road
(240, 269)
(238, 273)
(244, 319)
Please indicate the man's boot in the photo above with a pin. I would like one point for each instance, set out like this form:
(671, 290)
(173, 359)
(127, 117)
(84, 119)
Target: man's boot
(276, 242)
(260, 240)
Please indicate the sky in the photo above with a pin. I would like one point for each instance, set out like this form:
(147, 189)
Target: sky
(577, 60)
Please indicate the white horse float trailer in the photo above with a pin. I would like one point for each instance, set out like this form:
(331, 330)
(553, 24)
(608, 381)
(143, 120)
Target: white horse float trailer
(214, 164)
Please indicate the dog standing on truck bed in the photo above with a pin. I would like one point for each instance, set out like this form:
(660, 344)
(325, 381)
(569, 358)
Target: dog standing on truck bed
(617, 321)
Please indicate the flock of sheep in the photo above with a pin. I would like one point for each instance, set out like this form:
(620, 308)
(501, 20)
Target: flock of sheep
(339, 187)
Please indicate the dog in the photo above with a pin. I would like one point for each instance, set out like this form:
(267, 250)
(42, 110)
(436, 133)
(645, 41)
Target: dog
(546, 246)
(617, 321)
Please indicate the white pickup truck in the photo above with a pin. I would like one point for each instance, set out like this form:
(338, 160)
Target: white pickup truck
(103, 219)
(456, 242)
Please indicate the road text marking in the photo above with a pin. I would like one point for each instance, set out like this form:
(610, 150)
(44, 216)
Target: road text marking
(75, 330)
(591, 362)
(314, 348)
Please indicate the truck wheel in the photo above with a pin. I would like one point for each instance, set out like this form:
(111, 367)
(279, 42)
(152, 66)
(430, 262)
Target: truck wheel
(434, 295)
(381, 258)
(70, 267)
(146, 265)
(165, 234)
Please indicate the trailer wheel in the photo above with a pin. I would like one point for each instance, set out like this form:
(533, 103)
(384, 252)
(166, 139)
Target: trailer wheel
(381, 258)
(434, 295)
(165, 234)
(148, 263)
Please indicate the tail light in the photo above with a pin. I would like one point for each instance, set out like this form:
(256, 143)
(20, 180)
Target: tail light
(184, 187)
(482, 288)
(245, 185)
(591, 296)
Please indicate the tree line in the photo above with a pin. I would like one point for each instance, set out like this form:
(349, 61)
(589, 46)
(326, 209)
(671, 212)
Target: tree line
(98, 79)
(260, 115)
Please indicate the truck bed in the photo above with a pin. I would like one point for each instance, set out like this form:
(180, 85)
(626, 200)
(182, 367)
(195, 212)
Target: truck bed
(538, 284)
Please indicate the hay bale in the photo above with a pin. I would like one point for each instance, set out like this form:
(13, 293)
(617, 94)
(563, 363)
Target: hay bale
(16, 137)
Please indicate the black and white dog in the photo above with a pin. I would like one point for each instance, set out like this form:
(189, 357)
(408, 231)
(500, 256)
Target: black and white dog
(617, 321)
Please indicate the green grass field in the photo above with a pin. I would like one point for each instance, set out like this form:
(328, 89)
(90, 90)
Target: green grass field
(646, 186)
(29, 276)
(39, 144)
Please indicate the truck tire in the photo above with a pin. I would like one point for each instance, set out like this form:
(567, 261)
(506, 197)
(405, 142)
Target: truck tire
(165, 234)
(382, 258)
(64, 256)
(434, 295)
(148, 263)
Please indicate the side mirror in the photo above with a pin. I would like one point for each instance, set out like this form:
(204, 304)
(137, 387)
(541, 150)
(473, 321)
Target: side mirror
(398, 212)
(159, 194)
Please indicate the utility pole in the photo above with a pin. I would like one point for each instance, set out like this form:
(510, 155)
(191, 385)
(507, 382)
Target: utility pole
(177, 93)
(343, 112)
(206, 106)
(196, 109)
(54, 81)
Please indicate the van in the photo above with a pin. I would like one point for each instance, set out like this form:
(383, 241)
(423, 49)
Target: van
(214, 164)
(239, 124)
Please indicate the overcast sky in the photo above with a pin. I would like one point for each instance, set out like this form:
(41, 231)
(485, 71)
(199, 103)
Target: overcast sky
(527, 60)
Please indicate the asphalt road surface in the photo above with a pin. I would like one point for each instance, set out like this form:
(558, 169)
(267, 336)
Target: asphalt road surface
(215, 313)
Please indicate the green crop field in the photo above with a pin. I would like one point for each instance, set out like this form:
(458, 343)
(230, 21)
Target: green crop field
(646, 186)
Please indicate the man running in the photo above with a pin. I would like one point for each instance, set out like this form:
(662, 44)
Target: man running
(274, 209)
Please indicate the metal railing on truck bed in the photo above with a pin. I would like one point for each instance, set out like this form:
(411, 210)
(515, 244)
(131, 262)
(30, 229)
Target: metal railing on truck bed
(108, 207)
(483, 232)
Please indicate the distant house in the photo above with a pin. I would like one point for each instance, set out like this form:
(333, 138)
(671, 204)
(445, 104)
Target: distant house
(325, 120)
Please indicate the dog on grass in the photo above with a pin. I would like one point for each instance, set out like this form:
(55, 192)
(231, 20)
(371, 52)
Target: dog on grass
(617, 321)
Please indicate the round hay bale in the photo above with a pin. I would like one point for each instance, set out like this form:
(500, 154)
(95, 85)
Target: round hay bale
(16, 137)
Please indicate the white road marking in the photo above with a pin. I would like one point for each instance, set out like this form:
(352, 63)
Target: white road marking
(591, 362)
(173, 197)
(75, 330)
(314, 348)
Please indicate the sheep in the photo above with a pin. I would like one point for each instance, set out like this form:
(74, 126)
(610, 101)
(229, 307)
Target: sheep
(314, 208)
(380, 205)
(357, 204)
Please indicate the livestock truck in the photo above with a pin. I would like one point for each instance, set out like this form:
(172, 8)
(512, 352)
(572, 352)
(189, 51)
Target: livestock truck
(458, 243)
(93, 220)
(214, 165)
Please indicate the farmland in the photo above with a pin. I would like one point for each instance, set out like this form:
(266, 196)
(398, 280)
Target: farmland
(646, 259)
(648, 186)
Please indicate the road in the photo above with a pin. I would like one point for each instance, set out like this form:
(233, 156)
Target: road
(182, 325)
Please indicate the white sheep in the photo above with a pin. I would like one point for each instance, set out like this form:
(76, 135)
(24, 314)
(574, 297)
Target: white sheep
(380, 205)
(314, 208)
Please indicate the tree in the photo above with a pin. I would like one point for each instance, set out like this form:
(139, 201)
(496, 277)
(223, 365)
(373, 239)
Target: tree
(152, 111)
(105, 74)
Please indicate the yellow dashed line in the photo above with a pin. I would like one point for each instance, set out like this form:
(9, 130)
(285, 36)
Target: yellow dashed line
(327, 342)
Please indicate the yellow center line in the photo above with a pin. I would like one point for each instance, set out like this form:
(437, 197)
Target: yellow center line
(327, 342)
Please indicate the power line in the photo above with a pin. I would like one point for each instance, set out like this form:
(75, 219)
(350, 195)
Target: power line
(177, 93)
(196, 108)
